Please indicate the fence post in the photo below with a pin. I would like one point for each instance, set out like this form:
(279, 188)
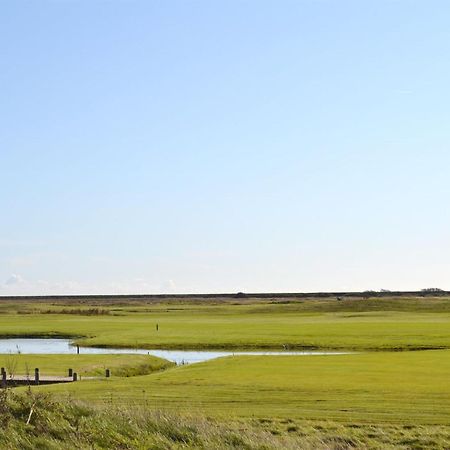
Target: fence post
(36, 376)
(107, 373)
(75, 376)
(70, 372)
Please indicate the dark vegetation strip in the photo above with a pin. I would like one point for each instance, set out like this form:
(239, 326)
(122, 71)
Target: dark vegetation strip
(75, 311)
(239, 295)
(40, 335)
(261, 347)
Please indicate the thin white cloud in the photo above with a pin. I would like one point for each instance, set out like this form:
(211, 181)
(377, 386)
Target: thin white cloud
(14, 280)
(404, 91)
(168, 287)
(4, 242)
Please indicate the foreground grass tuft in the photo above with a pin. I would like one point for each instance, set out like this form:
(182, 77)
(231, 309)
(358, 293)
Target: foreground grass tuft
(38, 421)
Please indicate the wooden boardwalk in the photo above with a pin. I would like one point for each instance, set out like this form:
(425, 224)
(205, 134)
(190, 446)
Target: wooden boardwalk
(8, 380)
(21, 380)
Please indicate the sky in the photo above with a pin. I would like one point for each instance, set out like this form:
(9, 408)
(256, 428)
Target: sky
(224, 146)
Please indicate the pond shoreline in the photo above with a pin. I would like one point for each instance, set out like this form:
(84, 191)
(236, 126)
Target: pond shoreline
(67, 346)
(78, 340)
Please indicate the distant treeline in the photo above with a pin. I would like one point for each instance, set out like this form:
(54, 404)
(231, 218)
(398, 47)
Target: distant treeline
(432, 292)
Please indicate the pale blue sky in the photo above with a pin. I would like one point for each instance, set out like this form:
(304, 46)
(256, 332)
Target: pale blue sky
(223, 146)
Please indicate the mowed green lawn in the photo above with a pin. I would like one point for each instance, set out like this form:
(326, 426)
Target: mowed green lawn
(395, 387)
(370, 387)
(375, 324)
(84, 365)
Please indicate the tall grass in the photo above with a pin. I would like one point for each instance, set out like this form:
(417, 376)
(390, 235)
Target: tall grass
(38, 421)
(30, 421)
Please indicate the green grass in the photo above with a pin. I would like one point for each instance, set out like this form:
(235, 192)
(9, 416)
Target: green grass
(30, 422)
(375, 324)
(34, 421)
(84, 365)
(380, 399)
(400, 388)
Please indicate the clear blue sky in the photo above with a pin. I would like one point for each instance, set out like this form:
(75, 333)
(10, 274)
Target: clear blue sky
(211, 146)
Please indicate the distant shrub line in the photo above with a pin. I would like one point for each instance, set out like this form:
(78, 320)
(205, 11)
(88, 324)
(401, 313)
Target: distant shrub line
(79, 311)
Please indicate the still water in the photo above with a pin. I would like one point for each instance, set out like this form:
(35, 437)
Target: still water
(64, 346)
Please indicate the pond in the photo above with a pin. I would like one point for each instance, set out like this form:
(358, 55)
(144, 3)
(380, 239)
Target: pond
(65, 346)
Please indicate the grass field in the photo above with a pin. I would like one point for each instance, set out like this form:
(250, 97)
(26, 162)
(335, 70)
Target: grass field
(405, 388)
(375, 398)
(55, 425)
(84, 365)
(355, 324)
